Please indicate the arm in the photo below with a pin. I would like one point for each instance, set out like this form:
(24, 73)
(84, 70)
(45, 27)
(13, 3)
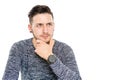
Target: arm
(67, 68)
(13, 65)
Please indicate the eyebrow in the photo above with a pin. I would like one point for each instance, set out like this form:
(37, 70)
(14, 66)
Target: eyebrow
(45, 23)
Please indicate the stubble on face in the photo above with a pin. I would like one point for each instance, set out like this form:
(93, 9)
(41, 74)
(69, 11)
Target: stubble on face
(37, 38)
(41, 34)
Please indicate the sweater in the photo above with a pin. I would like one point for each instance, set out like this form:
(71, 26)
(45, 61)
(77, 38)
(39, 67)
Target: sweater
(22, 58)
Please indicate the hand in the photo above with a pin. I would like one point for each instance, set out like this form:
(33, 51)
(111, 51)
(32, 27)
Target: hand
(43, 49)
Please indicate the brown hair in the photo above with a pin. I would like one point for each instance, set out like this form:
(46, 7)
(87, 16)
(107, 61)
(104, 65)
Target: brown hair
(39, 9)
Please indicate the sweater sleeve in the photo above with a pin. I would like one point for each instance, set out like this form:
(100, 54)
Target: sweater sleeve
(66, 69)
(13, 65)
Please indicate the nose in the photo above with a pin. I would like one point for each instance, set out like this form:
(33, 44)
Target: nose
(45, 29)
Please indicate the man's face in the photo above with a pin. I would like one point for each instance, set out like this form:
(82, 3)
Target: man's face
(42, 27)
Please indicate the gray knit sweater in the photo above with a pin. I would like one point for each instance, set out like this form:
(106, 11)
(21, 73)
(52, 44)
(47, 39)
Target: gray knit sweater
(23, 58)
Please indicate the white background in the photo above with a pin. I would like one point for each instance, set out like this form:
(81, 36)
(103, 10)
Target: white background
(90, 27)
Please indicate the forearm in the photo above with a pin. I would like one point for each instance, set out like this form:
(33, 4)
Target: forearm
(65, 73)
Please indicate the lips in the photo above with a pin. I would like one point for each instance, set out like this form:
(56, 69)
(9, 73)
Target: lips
(45, 36)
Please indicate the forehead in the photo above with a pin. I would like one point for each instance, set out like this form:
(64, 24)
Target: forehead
(42, 18)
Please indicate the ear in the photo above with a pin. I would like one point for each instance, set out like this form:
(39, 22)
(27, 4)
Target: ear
(30, 28)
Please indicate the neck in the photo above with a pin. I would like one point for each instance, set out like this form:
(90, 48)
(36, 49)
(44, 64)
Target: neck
(33, 42)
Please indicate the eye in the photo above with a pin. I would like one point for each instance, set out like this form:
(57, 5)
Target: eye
(50, 24)
(39, 25)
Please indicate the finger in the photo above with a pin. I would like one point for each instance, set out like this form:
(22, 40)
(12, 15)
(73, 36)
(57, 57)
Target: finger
(38, 41)
(41, 42)
(51, 43)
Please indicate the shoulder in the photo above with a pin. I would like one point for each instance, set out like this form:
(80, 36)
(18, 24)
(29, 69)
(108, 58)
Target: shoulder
(63, 50)
(62, 46)
(21, 43)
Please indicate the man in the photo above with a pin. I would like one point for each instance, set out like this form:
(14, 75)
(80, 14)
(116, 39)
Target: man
(41, 57)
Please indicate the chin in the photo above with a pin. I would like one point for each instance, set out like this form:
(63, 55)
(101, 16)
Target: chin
(46, 40)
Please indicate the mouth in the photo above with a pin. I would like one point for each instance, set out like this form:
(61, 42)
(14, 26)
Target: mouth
(45, 36)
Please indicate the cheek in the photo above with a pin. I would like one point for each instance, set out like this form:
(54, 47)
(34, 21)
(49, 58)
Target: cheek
(37, 31)
(51, 30)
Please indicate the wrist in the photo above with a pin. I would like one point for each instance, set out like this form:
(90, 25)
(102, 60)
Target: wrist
(51, 59)
(47, 56)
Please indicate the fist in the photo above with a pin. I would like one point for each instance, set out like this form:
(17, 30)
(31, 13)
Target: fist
(43, 49)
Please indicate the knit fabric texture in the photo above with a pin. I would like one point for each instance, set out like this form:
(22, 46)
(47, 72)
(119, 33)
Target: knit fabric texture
(22, 58)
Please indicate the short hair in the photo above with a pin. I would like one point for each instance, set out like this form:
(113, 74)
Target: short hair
(39, 9)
